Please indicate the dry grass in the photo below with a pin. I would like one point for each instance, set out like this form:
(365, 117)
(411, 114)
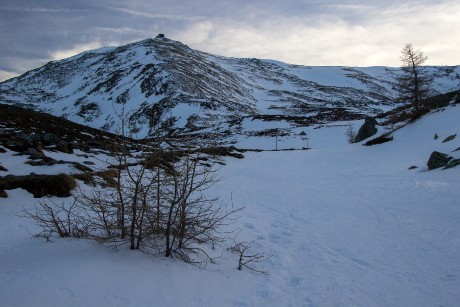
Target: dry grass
(40, 185)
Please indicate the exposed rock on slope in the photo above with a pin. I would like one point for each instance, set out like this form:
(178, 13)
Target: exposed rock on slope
(437, 160)
(160, 80)
(367, 130)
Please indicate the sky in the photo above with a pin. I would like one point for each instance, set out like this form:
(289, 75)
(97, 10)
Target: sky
(306, 32)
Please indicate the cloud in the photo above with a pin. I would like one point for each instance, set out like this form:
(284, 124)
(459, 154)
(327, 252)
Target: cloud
(39, 10)
(309, 32)
(375, 39)
(154, 15)
(62, 54)
(5, 75)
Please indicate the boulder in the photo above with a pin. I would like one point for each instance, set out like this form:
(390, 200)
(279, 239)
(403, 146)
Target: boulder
(51, 139)
(437, 160)
(449, 138)
(367, 130)
(34, 153)
(379, 140)
(452, 163)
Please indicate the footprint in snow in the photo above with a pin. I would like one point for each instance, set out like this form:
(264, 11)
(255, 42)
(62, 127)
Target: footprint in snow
(249, 225)
(295, 281)
(449, 277)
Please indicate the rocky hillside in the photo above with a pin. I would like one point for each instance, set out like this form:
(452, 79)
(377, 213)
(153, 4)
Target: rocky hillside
(160, 80)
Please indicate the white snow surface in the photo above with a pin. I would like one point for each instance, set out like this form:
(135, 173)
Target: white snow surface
(341, 225)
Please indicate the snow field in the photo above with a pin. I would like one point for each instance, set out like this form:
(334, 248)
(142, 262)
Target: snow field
(340, 224)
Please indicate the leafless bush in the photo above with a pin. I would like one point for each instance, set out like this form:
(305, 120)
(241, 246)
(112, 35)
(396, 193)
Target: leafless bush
(157, 199)
(245, 257)
(350, 133)
(54, 218)
(156, 203)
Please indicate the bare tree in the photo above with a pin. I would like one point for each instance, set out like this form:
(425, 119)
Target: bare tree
(350, 133)
(414, 81)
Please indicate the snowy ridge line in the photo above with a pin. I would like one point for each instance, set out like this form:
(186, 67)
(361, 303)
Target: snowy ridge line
(164, 81)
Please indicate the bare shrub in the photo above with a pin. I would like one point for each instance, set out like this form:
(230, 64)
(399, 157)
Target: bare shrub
(350, 133)
(246, 259)
(54, 218)
(155, 198)
(157, 201)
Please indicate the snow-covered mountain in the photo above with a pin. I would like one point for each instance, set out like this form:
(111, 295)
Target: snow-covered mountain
(164, 80)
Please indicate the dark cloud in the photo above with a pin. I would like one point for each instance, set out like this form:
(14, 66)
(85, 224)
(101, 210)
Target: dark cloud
(36, 31)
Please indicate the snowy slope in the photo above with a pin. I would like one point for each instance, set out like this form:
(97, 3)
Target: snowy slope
(341, 225)
(159, 79)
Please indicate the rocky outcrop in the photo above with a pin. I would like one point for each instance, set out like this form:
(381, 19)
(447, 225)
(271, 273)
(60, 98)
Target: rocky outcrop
(437, 160)
(449, 138)
(452, 163)
(367, 130)
(379, 140)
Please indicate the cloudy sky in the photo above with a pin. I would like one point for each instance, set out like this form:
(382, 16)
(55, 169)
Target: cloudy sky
(309, 32)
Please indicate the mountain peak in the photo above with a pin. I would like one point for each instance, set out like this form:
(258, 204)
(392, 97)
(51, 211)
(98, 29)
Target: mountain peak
(162, 80)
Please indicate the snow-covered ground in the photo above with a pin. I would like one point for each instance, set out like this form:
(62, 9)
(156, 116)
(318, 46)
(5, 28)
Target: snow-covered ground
(341, 225)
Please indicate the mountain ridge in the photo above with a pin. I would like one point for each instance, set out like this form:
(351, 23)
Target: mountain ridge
(161, 80)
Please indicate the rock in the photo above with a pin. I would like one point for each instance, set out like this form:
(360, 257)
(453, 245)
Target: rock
(413, 167)
(51, 139)
(449, 138)
(40, 185)
(34, 153)
(452, 163)
(65, 147)
(436, 136)
(367, 130)
(437, 160)
(379, 140)
(17, 145)
(28, 138)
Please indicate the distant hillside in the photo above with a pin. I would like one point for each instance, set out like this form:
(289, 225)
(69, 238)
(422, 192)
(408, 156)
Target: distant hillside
(160, 80)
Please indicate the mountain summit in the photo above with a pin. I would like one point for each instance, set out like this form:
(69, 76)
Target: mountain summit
(164, 80)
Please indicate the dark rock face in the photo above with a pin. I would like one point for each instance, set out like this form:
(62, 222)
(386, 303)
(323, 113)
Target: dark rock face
(34, 153)
(379, 140)
(437, 160)
(39, 185)
(449, 138)
(453, 163)
(50, 139)
(367, 130)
